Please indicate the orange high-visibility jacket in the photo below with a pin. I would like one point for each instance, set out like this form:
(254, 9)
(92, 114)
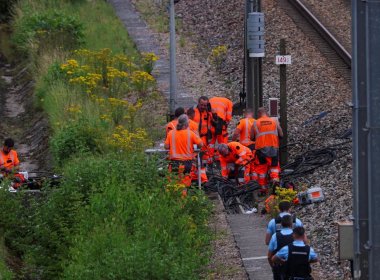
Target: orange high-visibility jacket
(193, 126)
(223, 107)
(171, 125)
(181, 144)
(9, 161)
(204, 121)
(245, 126)
(266, 133)
(239, 154)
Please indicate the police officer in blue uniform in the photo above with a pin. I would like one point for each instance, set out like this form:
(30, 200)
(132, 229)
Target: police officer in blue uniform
(297, 257)
(279, 240)
(274, 225)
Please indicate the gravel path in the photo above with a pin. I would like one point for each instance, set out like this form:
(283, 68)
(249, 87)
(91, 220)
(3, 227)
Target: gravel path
(336, 16)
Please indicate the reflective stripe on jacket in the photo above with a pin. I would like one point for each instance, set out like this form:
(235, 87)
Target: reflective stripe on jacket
(171, 126)
(239, 154)
(194, 127)
(223, 107)
(245, 126)
(266, 133)
(181, 144)
(204, 121)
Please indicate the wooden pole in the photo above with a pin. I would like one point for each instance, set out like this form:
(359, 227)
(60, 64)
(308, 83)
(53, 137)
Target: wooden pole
(283, 106)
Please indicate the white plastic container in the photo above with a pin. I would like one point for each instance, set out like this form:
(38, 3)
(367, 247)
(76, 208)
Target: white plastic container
(316, 194)
(312, 195)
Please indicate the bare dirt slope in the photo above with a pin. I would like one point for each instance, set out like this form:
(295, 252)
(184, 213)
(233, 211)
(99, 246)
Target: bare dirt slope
(19, 119)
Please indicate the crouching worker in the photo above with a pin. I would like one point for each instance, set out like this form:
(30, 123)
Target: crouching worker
(237, 154)
(180, 143)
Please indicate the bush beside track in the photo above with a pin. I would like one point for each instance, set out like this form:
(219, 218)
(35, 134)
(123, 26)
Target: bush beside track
(113, 217)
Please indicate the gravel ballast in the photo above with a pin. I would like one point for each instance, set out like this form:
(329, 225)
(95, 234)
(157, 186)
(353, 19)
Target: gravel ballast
(314, 86)
(336, 16)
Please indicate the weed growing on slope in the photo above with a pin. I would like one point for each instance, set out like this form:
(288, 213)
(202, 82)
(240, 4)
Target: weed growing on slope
(54, 30)
(111, 218)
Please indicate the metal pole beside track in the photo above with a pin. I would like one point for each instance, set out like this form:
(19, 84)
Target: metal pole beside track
(360, 134)
(283, 107)
(373, 126)
(173, 72)
(250, 99)
(366, 128)
(254, 65)
(259, 76)
(199, 166)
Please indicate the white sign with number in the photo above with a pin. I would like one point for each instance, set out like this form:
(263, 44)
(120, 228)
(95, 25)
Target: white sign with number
(283, 59)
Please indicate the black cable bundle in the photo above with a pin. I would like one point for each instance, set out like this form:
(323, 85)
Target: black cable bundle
(234, 196)
(311, 160)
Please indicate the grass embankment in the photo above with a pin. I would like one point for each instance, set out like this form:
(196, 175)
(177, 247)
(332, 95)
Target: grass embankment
(113, 217)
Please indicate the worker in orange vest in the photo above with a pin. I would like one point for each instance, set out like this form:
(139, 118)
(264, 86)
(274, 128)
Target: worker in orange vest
(203, 117)
(172, 124)
(180, 143)
(237, 154)
(266, 132)
(221, 109)
(243, 130)
(222, 115)
(8, 157)
(192, 124)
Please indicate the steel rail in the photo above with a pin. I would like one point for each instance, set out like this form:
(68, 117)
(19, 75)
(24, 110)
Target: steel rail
(323, 31)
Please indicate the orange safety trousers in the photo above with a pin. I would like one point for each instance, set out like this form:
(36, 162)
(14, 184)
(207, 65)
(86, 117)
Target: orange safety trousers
(247, 169)
(221, 140)
(194, 174)
(205, 159)
(260, 172)
(183, 177)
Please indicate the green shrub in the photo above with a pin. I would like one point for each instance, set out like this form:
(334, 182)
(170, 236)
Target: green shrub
(112, 217)
(50, 231)
(74, 139)
(48, 30)
(133, 229)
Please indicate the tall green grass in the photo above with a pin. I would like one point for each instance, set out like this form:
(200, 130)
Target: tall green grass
(114, 216)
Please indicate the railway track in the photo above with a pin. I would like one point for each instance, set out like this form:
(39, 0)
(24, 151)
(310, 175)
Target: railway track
(324, 40)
